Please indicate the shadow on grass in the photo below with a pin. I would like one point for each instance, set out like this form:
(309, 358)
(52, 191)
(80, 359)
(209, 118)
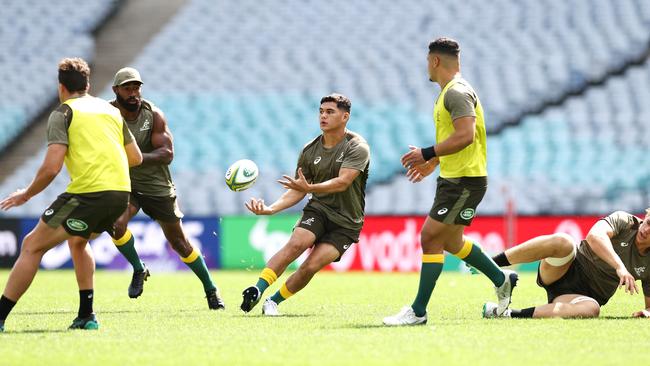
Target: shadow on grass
(36, 331)
(279, 316)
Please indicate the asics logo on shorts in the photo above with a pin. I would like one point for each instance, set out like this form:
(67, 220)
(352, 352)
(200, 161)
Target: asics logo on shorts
(49, 212)
(442, 211)
(346, 246)
(309, 221)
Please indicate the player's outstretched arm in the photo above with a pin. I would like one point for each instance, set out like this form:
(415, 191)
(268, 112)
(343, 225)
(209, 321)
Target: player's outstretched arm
(288, 199)
(338, 184)
(599, 239)
(645, 313)
(49, 169)
(161, 140)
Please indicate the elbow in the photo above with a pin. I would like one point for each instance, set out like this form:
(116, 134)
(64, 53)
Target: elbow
(135, 161)
(52, 172)
(467, 139)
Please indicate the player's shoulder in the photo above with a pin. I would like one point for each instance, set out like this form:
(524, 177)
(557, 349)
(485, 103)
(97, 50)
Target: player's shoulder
(355, 139)
(312, 143)
(460, 87)
(625, 218)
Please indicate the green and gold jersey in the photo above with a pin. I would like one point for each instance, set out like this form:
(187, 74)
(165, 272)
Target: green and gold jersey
(95, 134)
(604, 280)
(457, 99)
(320, 164)
(148, 179)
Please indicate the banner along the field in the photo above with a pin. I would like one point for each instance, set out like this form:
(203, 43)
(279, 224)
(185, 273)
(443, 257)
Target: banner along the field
(150, 242)
(247, 242)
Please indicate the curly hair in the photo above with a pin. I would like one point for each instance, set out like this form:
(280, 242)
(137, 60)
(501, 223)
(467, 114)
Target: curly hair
(74, 74)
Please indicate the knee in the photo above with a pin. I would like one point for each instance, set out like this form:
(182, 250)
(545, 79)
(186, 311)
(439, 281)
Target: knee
(28, 247)
(430, 242)
(296, 246)
(119, 229)
(310, 267)
(564, 244)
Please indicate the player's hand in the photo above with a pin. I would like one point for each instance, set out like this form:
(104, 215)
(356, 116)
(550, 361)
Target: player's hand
(257, 206)
(418, 172)
(626, 280)
(300, 184)
(645, 313)
(413, 157)
(15, 199)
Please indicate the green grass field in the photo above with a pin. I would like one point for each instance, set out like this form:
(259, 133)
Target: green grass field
(334, 321)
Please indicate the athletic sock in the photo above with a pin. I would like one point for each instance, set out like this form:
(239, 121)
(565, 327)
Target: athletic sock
(126, 246)
(85, 303)
(5, 307)
(431, 269)
(282, 294)
(197, 264)
(523, 313)
(267, 277)
(472, 254)
(501, 260)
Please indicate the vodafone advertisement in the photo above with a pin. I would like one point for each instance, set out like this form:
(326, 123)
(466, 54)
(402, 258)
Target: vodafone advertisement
(392, 243)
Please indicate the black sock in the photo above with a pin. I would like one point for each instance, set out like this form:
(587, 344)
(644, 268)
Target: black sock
(5, 307)
(85, 303)
(501, 260)
(523, 313)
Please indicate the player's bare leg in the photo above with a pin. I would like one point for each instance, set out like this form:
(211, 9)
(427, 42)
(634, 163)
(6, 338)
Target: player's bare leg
(84, 268)
(563, 306)
(41, 239)
(322, 255)
(300, 240)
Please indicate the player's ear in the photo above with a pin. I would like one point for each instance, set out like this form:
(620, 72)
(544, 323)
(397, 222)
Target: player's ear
(346, 116)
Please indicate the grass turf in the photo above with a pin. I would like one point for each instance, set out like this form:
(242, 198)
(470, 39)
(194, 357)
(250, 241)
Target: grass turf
(335, 320)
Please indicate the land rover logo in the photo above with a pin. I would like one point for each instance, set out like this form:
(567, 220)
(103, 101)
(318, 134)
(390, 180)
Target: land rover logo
(467, 213)
(77, 225)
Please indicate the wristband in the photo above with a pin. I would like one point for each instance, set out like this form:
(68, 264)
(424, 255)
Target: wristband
(429, 153)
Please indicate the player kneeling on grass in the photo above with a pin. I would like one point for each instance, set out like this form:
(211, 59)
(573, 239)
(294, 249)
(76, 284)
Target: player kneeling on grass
(580, 278)
(333, 168)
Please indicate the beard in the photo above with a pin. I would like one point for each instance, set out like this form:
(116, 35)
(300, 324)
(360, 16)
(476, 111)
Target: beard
(131, 107)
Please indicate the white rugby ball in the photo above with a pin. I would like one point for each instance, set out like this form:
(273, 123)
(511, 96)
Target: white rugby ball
(241, 175)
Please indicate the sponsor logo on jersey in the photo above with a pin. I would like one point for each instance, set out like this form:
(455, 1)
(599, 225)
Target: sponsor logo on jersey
(76, 224)
(317, 160)
(443, 211)
(48, 212)
(340, 158)
(308, 221)
(624, 244)
(639, 270)
(467, 213)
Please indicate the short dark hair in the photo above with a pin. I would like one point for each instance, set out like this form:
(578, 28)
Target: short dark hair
(342, 102)
(446, 46)
(74, 74)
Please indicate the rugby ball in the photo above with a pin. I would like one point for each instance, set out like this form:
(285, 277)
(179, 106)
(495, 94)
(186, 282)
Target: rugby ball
(241, 175)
